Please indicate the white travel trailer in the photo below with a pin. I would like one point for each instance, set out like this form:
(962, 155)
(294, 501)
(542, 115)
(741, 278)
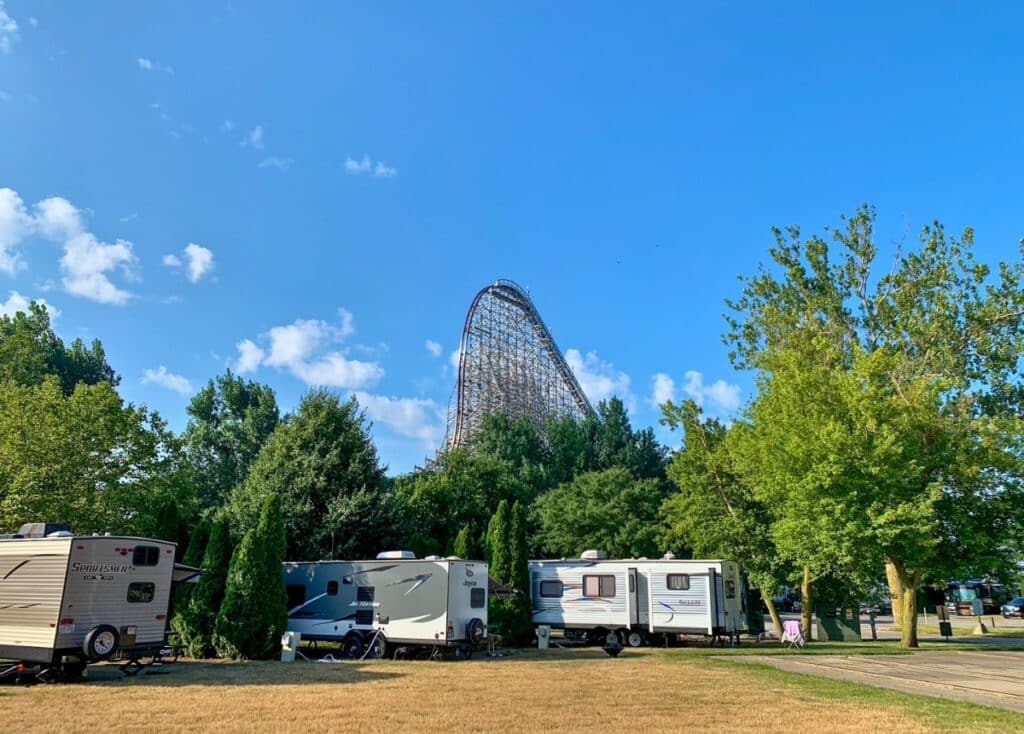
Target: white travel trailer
(629, 599)
(68, 600)
(431, 602)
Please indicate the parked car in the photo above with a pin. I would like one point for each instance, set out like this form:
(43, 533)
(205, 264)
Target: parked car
(1014, 607)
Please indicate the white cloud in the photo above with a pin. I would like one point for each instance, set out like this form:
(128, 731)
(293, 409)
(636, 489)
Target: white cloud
(303, 349)
(58, 219)
(384, 171)
(348, 322)
(87, 261)
(249, 356)
(414, 417)
(433, 347)
(146, 64)
(33, 21)
(600, 380)
(663, 389)
(15, 225)
(254, 139)
(168, 380)
(354, 166)
(719, 395)
(454, 357)
(17, 302)
(228, 126)
(8, 30)
(281, 164)
(130, 217)
(366, 165)
(200, 261)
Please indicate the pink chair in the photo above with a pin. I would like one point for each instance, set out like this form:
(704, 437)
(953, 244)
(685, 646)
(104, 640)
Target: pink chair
(792, 635)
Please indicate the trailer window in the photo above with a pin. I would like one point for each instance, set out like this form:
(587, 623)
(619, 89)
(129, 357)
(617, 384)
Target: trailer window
(599, 586)
(332, 588)
(677, 581)
(477, 598)
(141, 592)
(145, 555)
(296, 595)
(551, 589)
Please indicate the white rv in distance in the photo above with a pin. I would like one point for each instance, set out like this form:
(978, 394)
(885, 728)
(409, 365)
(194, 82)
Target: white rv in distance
(629, 600)
(68, 600)
(395, 600)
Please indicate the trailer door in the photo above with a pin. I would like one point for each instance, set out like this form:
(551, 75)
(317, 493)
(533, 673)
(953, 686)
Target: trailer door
(634, 607)
(643, 599)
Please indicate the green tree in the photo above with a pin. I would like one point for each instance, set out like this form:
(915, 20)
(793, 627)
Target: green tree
(499, 529)
(30, 350)
(86, 459)
(230, 420)
(197, 616)
(467, 544)
(254, 612)
(464, 489)
(713, 512)
(507, 559)
(611, 510)
(323, 465)
(902, 429)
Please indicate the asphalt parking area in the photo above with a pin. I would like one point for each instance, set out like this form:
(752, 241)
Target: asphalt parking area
(994, 678)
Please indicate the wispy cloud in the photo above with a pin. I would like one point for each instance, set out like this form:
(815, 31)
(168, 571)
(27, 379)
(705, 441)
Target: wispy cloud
(366, 165)
(433, 347)
(227, 126)
(147, 64)
(419, 418)
(8, 30)
(5, 96)
(168, 380)
(16, 302)
(719, 395)
(663, 389)
(281, 164)
(254, 139)
(600, 380)
(130, 217)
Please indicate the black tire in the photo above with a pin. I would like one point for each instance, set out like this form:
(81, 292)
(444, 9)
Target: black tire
(476, 631)
(378, 648)
(352, 645)
(101, 643)
(635, 638)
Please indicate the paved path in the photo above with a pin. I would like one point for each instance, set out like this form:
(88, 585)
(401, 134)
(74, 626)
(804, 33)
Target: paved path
(982, 676)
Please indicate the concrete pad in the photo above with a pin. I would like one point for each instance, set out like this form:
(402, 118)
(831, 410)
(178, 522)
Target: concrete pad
(991, 678)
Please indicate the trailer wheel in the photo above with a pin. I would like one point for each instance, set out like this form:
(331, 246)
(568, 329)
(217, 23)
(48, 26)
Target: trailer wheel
(635, 638)
(101, 642)
(378, 647)
(352, 645)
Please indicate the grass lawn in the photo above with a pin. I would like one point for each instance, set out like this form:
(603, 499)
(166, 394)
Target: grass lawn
(933, 629)
(563, 690)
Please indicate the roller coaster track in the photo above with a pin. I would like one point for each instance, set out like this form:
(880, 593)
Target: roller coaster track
(509, 363)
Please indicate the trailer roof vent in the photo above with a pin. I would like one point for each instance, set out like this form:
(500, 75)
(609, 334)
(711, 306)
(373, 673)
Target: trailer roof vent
(593, 555)
(59, 534)
(43, 530)
(432, 558)
(452, 558)
(395, 554)
(669, 556)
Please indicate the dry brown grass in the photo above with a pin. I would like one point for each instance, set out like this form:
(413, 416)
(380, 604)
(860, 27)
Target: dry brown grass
(581, 690)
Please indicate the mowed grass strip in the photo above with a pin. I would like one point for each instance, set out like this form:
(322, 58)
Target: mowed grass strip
(563, 690)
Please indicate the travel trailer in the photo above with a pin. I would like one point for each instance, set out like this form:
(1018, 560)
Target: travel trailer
(397, 599)
(67, 600)
(628, 600)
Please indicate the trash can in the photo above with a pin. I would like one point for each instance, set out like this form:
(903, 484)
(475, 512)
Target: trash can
(543, 637)
(755, 612)
(289, 646)
(838, 624)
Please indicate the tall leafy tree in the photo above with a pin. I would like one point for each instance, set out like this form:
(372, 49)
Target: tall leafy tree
(86, 459)
(323, 465)
(197, 614)
(30, 350)
(507, 559)
(901, 430)
(611, 510)
(713, 512)
(254, 611)
(230, 420)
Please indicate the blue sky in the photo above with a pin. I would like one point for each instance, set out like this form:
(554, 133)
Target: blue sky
(329, 184)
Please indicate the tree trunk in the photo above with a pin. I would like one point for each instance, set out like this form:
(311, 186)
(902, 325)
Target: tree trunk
(769, 602)
(807, 601)
(894, 592)
(907, 583)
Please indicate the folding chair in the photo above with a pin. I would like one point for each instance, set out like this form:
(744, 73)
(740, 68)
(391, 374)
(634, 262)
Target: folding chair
(792, 635)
